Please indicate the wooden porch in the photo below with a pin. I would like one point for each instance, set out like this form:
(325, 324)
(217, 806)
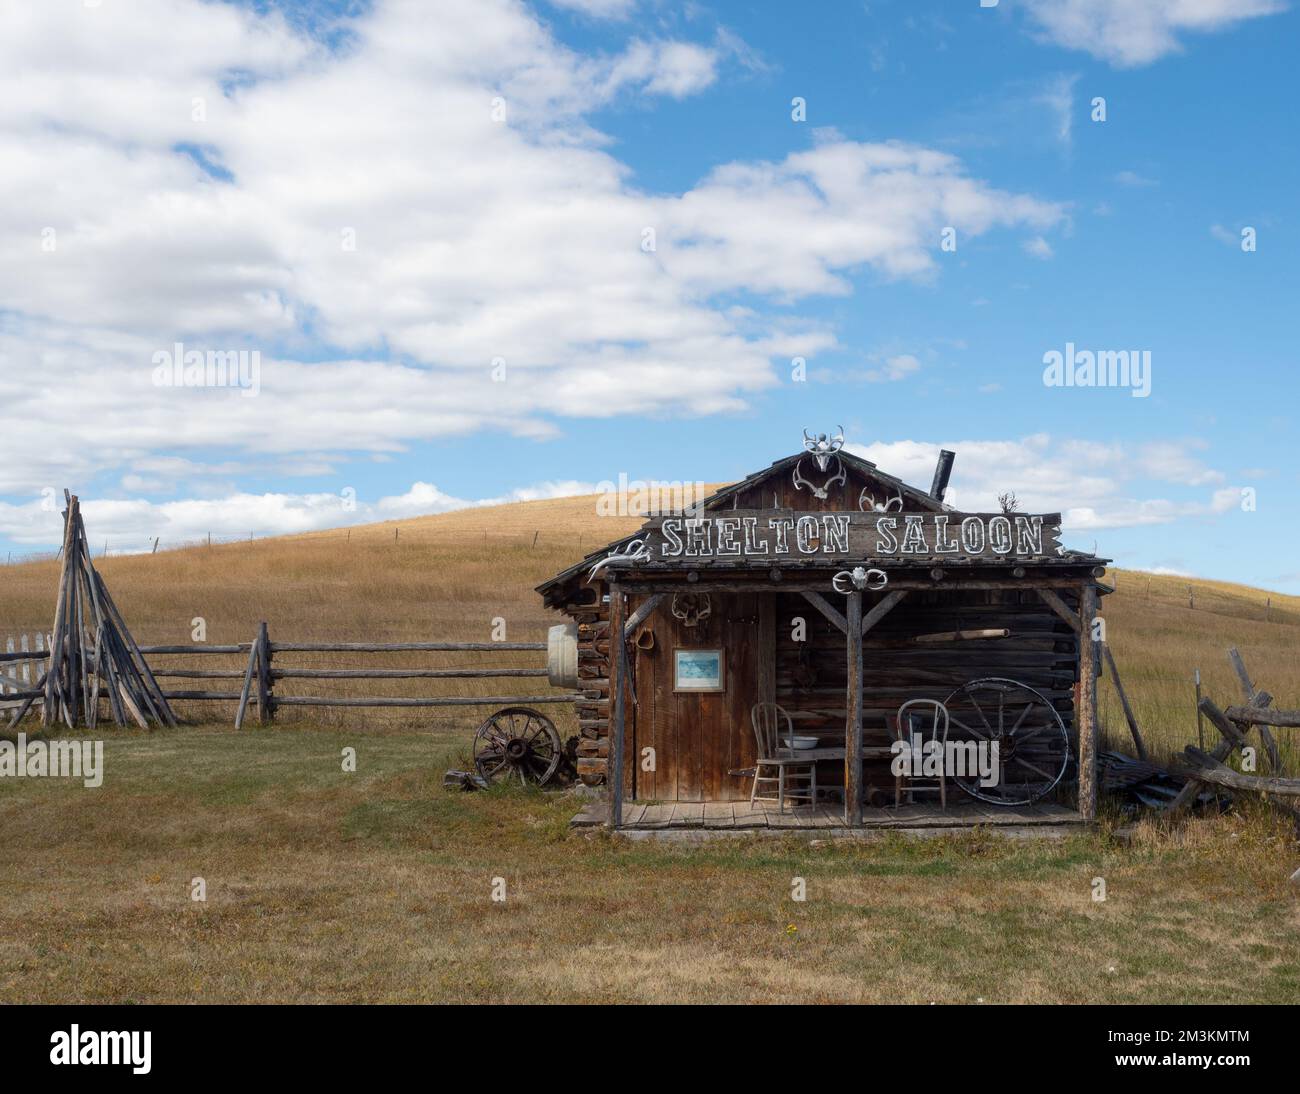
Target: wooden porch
(741, 816)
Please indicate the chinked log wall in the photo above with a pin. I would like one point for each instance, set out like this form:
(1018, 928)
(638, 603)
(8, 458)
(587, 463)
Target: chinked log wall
(1040, 651)
(592, 702)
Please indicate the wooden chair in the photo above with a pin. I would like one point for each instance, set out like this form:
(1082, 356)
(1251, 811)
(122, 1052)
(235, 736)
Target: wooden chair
(911, 718)
(796, 773)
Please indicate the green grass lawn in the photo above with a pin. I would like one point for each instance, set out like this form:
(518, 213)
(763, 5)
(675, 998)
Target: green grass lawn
(377, 886)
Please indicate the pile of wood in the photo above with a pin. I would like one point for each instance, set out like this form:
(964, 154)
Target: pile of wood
(1234, 725)
(92, 655)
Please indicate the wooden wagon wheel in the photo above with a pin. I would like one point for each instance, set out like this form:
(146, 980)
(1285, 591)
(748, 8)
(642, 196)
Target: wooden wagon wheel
(1033, 745)
(517, 743)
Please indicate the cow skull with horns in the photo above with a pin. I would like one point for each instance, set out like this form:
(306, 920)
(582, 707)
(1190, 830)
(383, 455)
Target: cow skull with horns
(824, 449)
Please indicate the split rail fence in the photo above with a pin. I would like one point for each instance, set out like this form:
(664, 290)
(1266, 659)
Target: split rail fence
(264, 667)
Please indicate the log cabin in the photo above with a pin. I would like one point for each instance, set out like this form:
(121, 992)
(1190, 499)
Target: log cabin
(824, 596)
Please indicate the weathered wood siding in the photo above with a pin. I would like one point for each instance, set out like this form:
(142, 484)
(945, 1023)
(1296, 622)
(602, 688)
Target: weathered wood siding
(699, 738)
(1041, 651)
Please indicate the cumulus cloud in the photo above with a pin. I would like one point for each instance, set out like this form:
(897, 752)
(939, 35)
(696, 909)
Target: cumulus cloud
(128, 525)
(1091, 484)
(388, 217)
(1128, 33)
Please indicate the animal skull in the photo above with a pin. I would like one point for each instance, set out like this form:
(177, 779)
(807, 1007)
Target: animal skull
(823, 447)
(859, 578)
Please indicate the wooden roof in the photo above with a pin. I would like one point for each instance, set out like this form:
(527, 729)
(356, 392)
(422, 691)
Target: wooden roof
(773, 488)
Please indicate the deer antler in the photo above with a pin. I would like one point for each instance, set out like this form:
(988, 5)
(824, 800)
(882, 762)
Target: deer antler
(868, 504)
(636, 551)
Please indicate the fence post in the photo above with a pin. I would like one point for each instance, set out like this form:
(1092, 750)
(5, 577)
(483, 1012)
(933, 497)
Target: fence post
(265, 685)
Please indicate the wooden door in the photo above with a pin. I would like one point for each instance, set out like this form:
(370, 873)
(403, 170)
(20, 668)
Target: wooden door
(698, 738)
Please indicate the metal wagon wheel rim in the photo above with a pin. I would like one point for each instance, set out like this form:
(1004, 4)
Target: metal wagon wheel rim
(517, 743)
(1033, 743)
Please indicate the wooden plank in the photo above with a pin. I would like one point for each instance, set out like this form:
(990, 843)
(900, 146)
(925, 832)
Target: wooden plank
(246, 690)
(1232, 738)
(264, 710)
(1261, 716)
(887, 604)
(390, 701)
(378, 647)
(1062, 609)
(1248, 691)
(822, 605)
(1124, 703)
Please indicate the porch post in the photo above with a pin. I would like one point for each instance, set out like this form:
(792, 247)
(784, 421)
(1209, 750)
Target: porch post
(1086, 716)
(617, 677)
(853, 728)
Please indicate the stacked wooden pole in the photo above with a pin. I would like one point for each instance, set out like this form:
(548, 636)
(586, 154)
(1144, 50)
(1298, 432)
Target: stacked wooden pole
(92, 653)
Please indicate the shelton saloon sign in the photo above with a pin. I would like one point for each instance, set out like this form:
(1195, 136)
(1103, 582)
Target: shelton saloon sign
(760, 534)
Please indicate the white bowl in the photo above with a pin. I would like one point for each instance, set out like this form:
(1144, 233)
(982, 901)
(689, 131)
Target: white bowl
(799, 742)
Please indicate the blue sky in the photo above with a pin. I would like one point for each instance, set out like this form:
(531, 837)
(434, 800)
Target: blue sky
(479, 238)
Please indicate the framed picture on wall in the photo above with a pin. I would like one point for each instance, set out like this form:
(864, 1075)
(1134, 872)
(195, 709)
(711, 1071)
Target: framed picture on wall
(698, 670)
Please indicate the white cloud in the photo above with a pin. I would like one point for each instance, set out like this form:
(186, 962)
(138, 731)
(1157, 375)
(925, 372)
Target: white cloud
(474, 239)
(599, 9)
(1132, 178)
(1128, 33)
(132, 525)
(898, 367)
(1037, 247)
(1089, 483)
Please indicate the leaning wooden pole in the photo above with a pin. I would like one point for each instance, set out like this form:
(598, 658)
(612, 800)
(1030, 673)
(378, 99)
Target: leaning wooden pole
(1129, 716)
(1086, 716)
(54, 674)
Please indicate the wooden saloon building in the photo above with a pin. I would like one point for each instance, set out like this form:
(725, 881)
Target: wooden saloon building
(796, 625)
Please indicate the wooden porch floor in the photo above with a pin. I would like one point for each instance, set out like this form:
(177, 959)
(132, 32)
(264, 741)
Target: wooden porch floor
(739, 816)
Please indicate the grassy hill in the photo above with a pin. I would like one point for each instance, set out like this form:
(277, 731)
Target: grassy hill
(447, 577)
(330, 885)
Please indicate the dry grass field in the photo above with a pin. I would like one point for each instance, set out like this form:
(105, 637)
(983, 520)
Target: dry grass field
(376, 885)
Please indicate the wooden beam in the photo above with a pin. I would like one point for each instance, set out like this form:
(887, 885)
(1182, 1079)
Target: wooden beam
(1086, 715)
(617, 684)
(642, 613)
(247, 689)
(853, 721)
(1232, 738)
(1123, 702)
(822, 605)
(1259, 716)
(265, 711)
(1062, 609)
(886, 605)
(1205, 768)
(1253, 699)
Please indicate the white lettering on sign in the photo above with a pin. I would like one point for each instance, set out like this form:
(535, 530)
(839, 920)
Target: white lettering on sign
(854, 536)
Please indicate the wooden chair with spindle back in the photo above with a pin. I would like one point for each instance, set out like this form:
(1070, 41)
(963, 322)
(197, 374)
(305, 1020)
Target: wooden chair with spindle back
(796, 775)
(911, 719)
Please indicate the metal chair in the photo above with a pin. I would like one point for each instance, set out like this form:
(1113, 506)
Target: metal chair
(796, 774)
(910, 720)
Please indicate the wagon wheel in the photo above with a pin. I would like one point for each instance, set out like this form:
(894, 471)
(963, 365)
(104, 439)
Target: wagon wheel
(517, 743)
(1033, 746)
